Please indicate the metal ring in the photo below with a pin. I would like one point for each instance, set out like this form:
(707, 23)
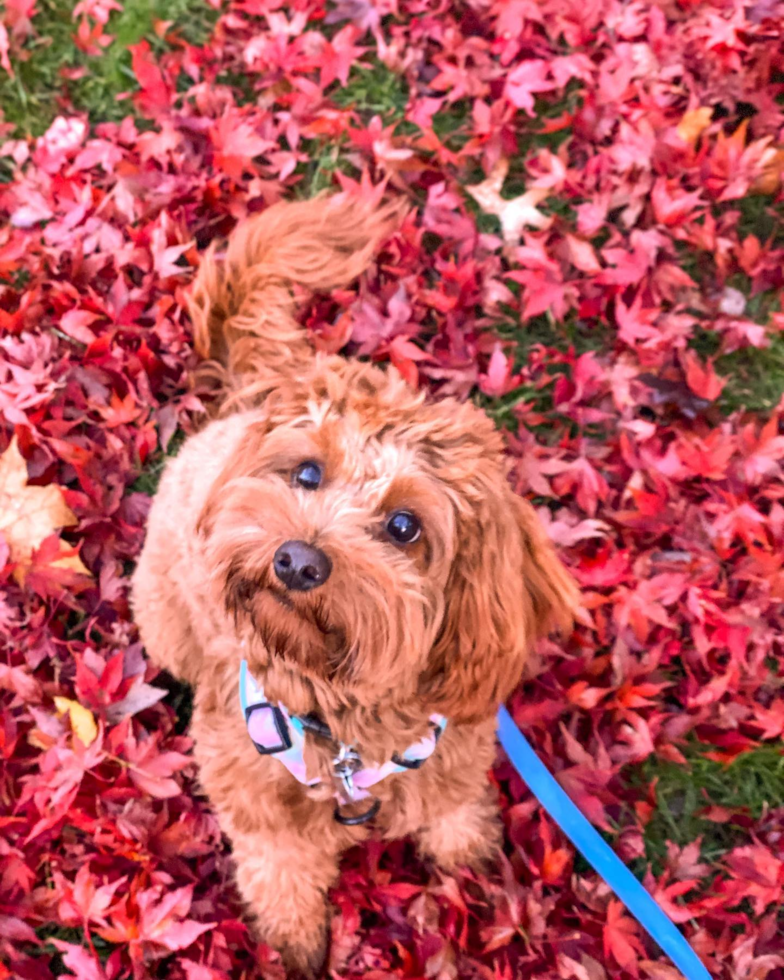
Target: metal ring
(362, 818)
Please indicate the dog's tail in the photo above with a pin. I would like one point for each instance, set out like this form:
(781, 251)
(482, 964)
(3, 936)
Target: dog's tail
(242, 304)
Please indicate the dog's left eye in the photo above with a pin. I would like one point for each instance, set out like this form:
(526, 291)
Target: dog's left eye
(404, 527)
(308, 475)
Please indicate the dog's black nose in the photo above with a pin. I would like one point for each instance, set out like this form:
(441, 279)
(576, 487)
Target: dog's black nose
(300, 566)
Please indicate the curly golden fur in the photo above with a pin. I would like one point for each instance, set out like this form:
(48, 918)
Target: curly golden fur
(394, 634)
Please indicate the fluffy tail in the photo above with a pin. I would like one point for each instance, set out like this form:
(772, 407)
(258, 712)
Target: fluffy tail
(242, 304)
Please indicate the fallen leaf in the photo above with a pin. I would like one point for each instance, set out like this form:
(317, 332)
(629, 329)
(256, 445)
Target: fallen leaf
(527, 79)
(693, 124)
(521, 212)
(30, 514)
(702, 379)
(770, 179)
(82, 720)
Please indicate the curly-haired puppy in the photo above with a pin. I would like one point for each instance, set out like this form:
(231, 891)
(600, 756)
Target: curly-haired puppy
(342, 572)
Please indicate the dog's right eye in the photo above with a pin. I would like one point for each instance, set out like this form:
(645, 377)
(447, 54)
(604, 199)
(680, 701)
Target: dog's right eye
(404, 527)
(308, 475)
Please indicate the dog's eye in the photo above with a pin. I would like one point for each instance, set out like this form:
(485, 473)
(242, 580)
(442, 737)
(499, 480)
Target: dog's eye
(308, 475)
(404, 527)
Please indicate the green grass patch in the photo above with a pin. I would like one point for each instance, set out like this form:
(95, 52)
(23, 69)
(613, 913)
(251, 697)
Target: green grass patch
(243, 86)
(325, 159)
(754, 375)
(570, 333)
(759, 306)
(751, 783)
(373, 90)
(451, 126)
(40, 90)
(544, 330)
(760, 217)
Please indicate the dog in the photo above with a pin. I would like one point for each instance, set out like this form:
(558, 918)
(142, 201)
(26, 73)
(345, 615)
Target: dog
(340, 569)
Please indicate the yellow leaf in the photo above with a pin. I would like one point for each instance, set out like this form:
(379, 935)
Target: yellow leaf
(514, 215)
(82, 721)
(29, 515)
(694, 123)
(74, 562)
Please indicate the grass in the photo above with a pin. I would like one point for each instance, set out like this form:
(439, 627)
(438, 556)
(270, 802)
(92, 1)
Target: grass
(760, 217)
(373, 90)
(755, 377)
(40, 91)
(568, 334)
(318, 174)
(748, 786)
(179, 697)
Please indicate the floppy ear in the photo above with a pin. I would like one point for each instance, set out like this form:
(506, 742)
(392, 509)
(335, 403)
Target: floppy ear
(506, 589)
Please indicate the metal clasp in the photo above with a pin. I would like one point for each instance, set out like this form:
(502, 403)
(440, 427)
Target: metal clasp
(344, 765)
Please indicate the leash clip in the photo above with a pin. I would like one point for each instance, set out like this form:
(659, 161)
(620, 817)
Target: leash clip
(344, 765)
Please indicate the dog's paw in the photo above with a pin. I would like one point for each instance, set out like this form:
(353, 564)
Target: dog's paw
(305, 962)
(468, 836)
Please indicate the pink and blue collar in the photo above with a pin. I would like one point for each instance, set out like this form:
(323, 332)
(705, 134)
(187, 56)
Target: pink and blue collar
(274, 731)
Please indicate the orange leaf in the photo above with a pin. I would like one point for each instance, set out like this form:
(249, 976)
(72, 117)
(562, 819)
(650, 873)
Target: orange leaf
(693, 123)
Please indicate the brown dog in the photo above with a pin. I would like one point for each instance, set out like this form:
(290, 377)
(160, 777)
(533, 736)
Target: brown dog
(360, 549)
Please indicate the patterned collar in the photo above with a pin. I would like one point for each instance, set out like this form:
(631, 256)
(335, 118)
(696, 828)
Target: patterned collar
(274, 731)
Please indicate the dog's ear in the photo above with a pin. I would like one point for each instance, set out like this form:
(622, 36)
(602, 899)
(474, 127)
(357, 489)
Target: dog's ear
(506, 588)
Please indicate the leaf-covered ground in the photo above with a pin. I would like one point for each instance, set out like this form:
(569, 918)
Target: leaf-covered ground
(595, 252)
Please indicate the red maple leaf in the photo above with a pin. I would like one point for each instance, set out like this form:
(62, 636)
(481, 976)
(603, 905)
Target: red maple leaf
(621, 938)
(525, 80)
(702, 379)
(156, 93)
(154, 923)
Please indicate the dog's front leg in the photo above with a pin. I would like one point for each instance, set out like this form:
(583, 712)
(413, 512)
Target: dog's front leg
(467, 834)
(284, 879)
(460, 825)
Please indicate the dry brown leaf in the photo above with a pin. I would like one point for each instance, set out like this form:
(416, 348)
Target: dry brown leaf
(29, 515)
(521, 212)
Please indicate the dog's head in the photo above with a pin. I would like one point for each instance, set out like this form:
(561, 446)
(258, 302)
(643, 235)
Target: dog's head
(372, 540)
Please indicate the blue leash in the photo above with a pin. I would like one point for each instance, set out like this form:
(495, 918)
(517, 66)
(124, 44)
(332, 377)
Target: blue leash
(602, 858)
